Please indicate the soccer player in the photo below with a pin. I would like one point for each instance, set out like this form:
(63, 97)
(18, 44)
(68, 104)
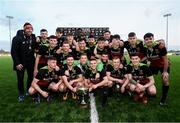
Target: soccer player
(45, 52)
(100, 48)
(140, 79)
(158, 62)
(135, 46)
(116, 50)
(116, 74)
(72, 78)
(81, 49)
(83, 63)
(71, 41)
(107, 37)
(91, 44)
(46, 79)
(79, 34)
(103, 62)
(62, 54)
(60, 38)
(42, 39)
(97, 79)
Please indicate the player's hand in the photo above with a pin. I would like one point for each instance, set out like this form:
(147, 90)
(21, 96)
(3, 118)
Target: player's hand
(106, 43)
(94, 86)
(35, 72)
(74, 90)
(121, 43)
(45, 94)
(122, 89)
(110, 45)
(70, 50)
(37, 39)
(141, 87)
(71, 82)
(58, 51)
(90, 89)
(74, 42)
(57, 68)
(19, 67)
(120, 81)
(97, 76)
(121, 66)
(165, 76)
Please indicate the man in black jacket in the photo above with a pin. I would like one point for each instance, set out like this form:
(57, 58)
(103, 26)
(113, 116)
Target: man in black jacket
(22, 52)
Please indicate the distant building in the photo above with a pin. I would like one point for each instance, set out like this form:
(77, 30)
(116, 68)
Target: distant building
(96, 31)
(3, 52)
(178, 53)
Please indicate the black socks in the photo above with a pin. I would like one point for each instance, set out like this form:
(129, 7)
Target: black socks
(164, 93)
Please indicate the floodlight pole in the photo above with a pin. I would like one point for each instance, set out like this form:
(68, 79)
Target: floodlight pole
(167, 15)
(9, 19)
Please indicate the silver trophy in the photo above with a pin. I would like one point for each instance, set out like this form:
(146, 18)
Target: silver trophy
(82, 92)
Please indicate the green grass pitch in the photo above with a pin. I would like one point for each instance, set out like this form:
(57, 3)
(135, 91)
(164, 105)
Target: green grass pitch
(123, 110)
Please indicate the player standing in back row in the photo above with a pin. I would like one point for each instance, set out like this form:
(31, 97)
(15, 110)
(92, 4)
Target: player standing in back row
(158, 62)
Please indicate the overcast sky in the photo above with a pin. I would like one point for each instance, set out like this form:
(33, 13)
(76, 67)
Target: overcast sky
(121, 16)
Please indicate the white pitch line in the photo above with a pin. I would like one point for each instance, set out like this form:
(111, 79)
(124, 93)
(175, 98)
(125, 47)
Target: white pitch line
(94, 114)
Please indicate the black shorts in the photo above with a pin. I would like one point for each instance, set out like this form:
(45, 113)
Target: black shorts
(155, 70)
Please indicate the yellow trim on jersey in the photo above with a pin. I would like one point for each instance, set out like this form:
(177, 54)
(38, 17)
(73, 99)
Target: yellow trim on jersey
(45, 67)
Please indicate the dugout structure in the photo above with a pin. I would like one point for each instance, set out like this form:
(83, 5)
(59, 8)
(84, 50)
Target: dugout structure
(86, 31)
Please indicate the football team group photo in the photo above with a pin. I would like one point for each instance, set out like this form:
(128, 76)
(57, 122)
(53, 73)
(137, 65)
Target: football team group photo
(78, 73)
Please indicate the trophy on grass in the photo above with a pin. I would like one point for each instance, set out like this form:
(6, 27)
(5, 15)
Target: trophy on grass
(83, 94)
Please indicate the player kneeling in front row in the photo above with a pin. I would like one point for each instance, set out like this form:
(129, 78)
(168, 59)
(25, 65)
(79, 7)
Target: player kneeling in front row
(72, 78)
(95, 79)
(140, 79)
(46, 80)
(116, 75)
